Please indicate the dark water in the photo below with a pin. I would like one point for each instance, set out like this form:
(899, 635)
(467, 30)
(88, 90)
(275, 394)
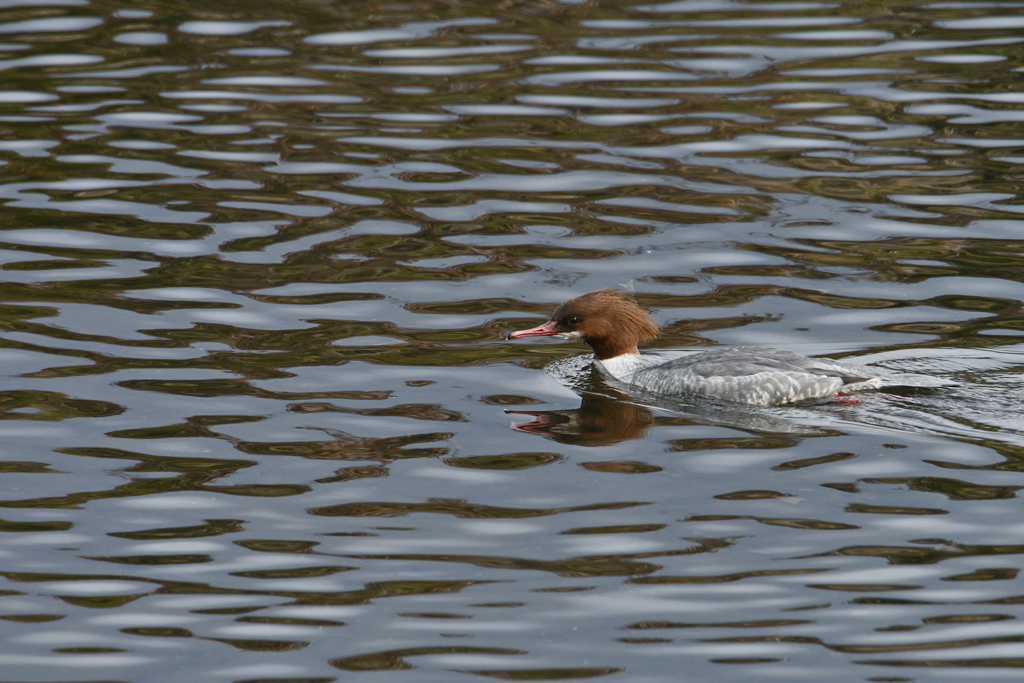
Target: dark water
(258, 259)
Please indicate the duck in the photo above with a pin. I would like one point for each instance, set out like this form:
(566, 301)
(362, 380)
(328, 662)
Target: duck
(613, 325)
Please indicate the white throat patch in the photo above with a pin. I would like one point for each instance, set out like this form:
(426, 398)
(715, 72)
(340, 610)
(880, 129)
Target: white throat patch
(622, 367)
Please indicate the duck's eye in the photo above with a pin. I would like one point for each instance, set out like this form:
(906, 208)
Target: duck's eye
(574, 320)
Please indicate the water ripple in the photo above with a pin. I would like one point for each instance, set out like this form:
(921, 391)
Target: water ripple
(259, 417)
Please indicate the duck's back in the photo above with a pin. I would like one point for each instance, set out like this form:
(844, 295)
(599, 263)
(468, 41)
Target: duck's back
(756, 376)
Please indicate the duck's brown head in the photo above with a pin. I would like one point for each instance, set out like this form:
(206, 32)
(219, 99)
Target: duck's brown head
(609, 321)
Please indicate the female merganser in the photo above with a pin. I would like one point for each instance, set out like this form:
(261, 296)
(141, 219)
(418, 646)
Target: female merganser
(612, 324)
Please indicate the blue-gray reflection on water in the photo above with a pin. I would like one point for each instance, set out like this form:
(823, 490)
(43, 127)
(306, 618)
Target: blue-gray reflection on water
(259, 423)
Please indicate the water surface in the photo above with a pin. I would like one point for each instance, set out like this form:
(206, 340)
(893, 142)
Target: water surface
(260, 422)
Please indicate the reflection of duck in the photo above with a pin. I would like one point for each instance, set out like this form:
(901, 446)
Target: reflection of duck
(612, 324)
(604, 419)
(599, 421)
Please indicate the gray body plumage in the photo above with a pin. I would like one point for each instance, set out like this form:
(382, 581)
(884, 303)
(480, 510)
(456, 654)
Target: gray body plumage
(757, 376)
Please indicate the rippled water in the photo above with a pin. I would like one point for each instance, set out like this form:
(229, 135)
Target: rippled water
(260, 422)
